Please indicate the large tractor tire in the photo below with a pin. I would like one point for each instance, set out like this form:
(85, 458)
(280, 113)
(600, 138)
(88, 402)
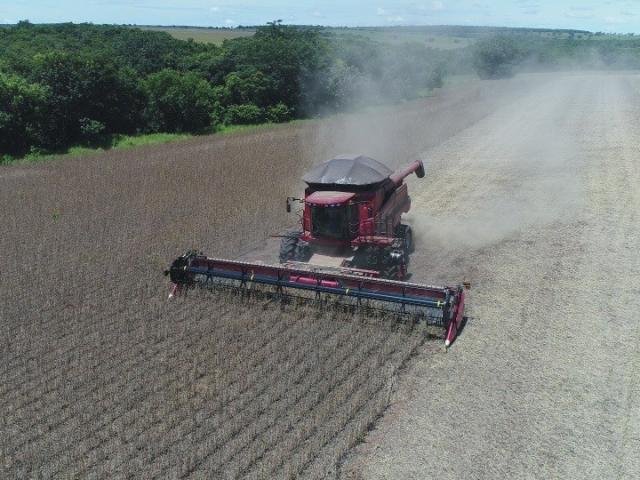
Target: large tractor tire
(289, 247)
(394, 264)
(391, 263)
(406, 234)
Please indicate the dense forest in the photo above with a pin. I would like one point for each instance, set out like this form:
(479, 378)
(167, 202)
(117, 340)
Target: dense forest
(69, 84)
(77, 84)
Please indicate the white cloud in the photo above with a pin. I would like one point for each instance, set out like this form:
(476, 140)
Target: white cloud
(317, 14)
(214, 9)
(395, 19)
(228, 21)
(614, 20)
(580, 8)
(579, 14)
(435, 6)
(381, 11)
(532, 6)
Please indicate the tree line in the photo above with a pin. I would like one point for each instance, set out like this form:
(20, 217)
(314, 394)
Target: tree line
(502, 56)
(68, 84)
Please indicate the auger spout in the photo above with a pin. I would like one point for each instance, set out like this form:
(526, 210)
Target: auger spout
(400, 175)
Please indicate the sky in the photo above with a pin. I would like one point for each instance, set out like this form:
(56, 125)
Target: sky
(605, 15)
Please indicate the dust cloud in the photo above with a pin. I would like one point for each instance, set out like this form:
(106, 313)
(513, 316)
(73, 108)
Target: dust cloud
(377, 119)
(497, 220)
(525, 186)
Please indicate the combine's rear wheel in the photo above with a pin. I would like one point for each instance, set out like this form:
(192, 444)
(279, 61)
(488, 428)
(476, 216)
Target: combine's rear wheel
(406, 234)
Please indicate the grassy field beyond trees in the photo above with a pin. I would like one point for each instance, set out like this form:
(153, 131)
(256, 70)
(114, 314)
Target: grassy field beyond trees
(203, 34)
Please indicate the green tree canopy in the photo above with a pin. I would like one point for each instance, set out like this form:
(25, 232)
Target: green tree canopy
(178, 102)
(21, 113)
(496, 57)
(85, 87)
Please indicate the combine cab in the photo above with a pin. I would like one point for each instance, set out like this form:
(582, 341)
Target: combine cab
(351, 218)
(351, 245)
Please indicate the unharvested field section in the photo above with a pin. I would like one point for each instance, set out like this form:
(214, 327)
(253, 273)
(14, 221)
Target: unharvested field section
(99, 374)
(191, 389)
(102, 376)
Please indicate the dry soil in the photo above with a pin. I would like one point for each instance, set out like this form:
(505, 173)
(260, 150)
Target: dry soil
(531, 194)
(537, 204)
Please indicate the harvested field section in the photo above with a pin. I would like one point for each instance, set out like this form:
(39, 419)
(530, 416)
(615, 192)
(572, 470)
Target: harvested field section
(544, 381)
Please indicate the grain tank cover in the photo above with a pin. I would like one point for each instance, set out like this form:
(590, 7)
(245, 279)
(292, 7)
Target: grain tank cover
(329, 199)
(348, 170)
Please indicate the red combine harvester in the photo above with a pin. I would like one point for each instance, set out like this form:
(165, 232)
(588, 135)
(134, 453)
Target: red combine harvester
(351, 245)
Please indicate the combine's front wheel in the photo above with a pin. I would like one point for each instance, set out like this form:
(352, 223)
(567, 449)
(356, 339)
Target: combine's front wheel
(394, 264)
(390, 262)
(292, 249)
